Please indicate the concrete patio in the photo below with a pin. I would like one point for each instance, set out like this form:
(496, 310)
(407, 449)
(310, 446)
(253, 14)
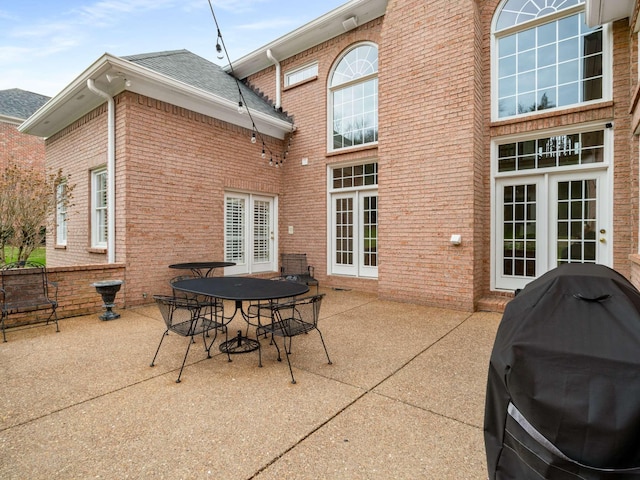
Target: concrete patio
(404, 399)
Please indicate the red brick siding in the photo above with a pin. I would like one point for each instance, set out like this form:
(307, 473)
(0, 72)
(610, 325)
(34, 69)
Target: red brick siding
(20, 148)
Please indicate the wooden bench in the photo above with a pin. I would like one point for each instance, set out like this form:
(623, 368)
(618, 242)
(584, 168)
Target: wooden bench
(24, 287)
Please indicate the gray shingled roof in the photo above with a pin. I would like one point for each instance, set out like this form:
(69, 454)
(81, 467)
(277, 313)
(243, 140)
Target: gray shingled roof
(20, 103)
(189, 68)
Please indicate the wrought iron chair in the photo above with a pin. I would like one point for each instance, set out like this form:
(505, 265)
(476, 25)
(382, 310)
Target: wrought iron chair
(294, 267)
(290, 319)
(182, 316)
(209, 306)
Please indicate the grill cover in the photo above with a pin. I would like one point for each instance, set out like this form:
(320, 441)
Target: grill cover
(563, 389)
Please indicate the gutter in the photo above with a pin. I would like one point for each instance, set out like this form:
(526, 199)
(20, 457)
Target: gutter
(111, 170)
(278, 81)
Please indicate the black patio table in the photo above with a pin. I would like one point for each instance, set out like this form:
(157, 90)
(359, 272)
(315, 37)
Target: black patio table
(197, 267)
(241, 289)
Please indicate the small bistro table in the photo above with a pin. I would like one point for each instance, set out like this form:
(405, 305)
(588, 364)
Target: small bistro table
(197, 268)
(239, 290)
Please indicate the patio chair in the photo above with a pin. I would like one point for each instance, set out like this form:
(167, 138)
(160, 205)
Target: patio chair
(290, 319)
(209, 306)
(294, 267)
(182, 317)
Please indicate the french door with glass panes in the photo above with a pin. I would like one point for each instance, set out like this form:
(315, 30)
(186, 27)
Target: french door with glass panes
(355, 234)
(543, 221)
(249, 233)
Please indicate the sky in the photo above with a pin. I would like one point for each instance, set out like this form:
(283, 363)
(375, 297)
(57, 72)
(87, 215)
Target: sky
(46, 44)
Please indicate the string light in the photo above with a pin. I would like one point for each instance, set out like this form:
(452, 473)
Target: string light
(221, 50)
(219, 47)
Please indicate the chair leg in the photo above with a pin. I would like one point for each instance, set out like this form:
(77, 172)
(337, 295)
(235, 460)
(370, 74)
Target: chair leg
(325, 347)
(184, 360)
(166, 332)
(293, 380)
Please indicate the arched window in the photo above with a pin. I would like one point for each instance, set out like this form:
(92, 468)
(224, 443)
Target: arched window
(545, 57)
(353, 97)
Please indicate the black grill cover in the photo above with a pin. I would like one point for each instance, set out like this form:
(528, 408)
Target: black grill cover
(563, 390)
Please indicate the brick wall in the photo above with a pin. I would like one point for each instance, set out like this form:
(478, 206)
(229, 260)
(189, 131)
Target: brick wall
(76, 296)
(20, 148)
(172, 169)
(303, 198)
(428, 154)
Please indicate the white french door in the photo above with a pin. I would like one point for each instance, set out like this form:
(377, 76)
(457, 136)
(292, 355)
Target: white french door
(250, 233)
(355, 234)
(545, 220)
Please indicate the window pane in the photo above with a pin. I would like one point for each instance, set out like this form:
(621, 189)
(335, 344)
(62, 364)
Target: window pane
(561, 53)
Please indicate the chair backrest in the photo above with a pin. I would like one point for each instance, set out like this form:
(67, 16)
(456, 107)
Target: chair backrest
(294, 264)
(305, 310)
(175, 310)
(24, 285)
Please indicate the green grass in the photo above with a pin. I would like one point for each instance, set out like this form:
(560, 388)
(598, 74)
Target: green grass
(38, 255)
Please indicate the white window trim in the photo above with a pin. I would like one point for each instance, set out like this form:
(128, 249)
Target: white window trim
(331, 89)
(607, 64)
(331, 194)
(290, 73)
(96, 242)
(607, 166)
(61, 214)
(248, 267)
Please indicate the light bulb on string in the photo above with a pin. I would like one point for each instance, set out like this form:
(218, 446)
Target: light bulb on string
(271, 162)
(253, 137)
(218, 46)
(263, 155)
(240, 107)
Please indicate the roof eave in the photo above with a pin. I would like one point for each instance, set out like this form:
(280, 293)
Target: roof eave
(77, 100)
(313, 33)
(600, 12)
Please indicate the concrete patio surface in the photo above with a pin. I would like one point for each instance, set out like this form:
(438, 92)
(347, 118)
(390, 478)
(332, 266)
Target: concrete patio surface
(404, 399)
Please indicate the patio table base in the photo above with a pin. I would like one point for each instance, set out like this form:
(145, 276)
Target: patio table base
(240, 344)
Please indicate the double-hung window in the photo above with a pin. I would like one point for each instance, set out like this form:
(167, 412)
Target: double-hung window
(99, 208)
(353, 98)
(61, 214)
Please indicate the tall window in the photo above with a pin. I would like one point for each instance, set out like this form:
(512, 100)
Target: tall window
(546, 57)
(99, 208)
(61, 214)
(353, 96)
(354, 220)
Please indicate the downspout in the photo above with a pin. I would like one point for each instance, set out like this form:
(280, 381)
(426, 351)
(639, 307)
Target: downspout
(278, 86)
(111, 170)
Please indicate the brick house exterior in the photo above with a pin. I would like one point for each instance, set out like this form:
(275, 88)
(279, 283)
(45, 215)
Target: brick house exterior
(15, 107)
(181, 168)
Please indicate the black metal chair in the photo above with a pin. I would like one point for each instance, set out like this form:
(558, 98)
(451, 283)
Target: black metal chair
(290, 319)
(182, 316)
(294, 267)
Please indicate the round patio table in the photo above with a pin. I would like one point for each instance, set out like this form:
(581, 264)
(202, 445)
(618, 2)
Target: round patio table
(197, 267)
(241, 289)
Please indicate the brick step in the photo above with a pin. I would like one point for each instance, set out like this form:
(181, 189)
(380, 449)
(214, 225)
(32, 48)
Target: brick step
(494, 303)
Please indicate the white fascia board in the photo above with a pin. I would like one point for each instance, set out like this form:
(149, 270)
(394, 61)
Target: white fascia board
(321, 29)
(77, 100)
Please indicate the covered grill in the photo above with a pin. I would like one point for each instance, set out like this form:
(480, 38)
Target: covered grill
(563, 389)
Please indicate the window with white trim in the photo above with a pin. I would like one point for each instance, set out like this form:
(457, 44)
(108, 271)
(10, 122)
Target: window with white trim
(301, 74)
(353, 98)
(249, 233)
(353, 193)
(99, 208)
(546, 57)
(61, 214)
